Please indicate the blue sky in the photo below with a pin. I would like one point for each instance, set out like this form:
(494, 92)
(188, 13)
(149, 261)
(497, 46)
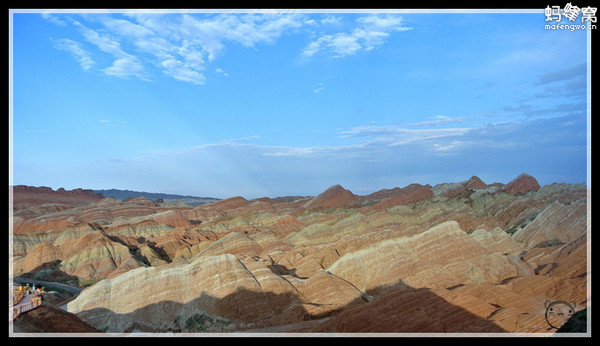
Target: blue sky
(290, 103)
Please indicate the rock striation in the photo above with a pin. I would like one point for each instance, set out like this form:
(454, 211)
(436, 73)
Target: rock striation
(27, 196)
(522, 184)
(335, 196)
(456, 257)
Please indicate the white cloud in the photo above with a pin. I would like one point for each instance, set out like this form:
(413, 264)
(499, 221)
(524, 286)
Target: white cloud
(243, 167)
(220, 70)
(370, 34)
(53, 19)
(345, 44)
(447, 147)
(394, 136)
(440, 120)
(291, 152)
(382, 23)
(103, 42)
(182, 72)
(182, 45)
(330, 19)
(125, 65)
(313, 47)
(81, 55)
(319, 87)
(126, 28)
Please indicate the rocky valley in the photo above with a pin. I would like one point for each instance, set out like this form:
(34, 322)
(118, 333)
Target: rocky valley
(458, 257)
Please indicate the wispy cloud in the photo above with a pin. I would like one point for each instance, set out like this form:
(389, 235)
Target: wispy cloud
(329, 19)
(220, 70)
(395, 135)
(181, 45)
(54, 19)
(528, 110)
(554, 93)
(182, 71)
(567, 84)
(112, 123)
(81, 55)
(125, 65)
(370, 33)
(244, 167)
(563, 74)
(440, 120)
(317, 88)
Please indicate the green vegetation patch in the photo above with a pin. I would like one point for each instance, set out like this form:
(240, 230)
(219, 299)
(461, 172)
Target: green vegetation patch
(202, 323)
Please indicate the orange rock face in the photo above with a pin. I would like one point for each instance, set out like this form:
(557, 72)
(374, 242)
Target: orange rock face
(418, 259)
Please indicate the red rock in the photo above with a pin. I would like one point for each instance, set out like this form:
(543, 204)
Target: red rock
(172, 218)
(40, 254)
(408, 195)
(333, 197)
(43, 226)
(455, 189)
(26, 196)
(230, 203)
(474, 183)
(288, 221)
(521, 184)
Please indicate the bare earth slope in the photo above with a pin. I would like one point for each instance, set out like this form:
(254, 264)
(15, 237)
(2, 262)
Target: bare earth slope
(50, 319)
(457, 257)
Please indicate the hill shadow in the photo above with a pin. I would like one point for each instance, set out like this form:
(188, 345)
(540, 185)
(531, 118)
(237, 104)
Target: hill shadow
(49, 271)
(391, 309)
(283, 270)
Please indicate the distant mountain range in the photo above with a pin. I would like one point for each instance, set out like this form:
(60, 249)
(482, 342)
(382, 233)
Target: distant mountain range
(124, 194)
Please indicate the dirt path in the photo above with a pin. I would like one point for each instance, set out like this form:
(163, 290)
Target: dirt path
(523, 268)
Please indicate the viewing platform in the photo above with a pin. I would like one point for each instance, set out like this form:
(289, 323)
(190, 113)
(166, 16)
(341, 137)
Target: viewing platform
(25, 299)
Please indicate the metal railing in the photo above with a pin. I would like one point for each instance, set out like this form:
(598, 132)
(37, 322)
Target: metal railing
(34, 303)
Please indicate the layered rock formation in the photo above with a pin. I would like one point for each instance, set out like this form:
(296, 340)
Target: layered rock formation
(457, 257)
(335, 196)
(27, 196)
(522, 184)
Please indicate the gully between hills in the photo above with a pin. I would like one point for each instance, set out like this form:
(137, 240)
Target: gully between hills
(456, 257)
